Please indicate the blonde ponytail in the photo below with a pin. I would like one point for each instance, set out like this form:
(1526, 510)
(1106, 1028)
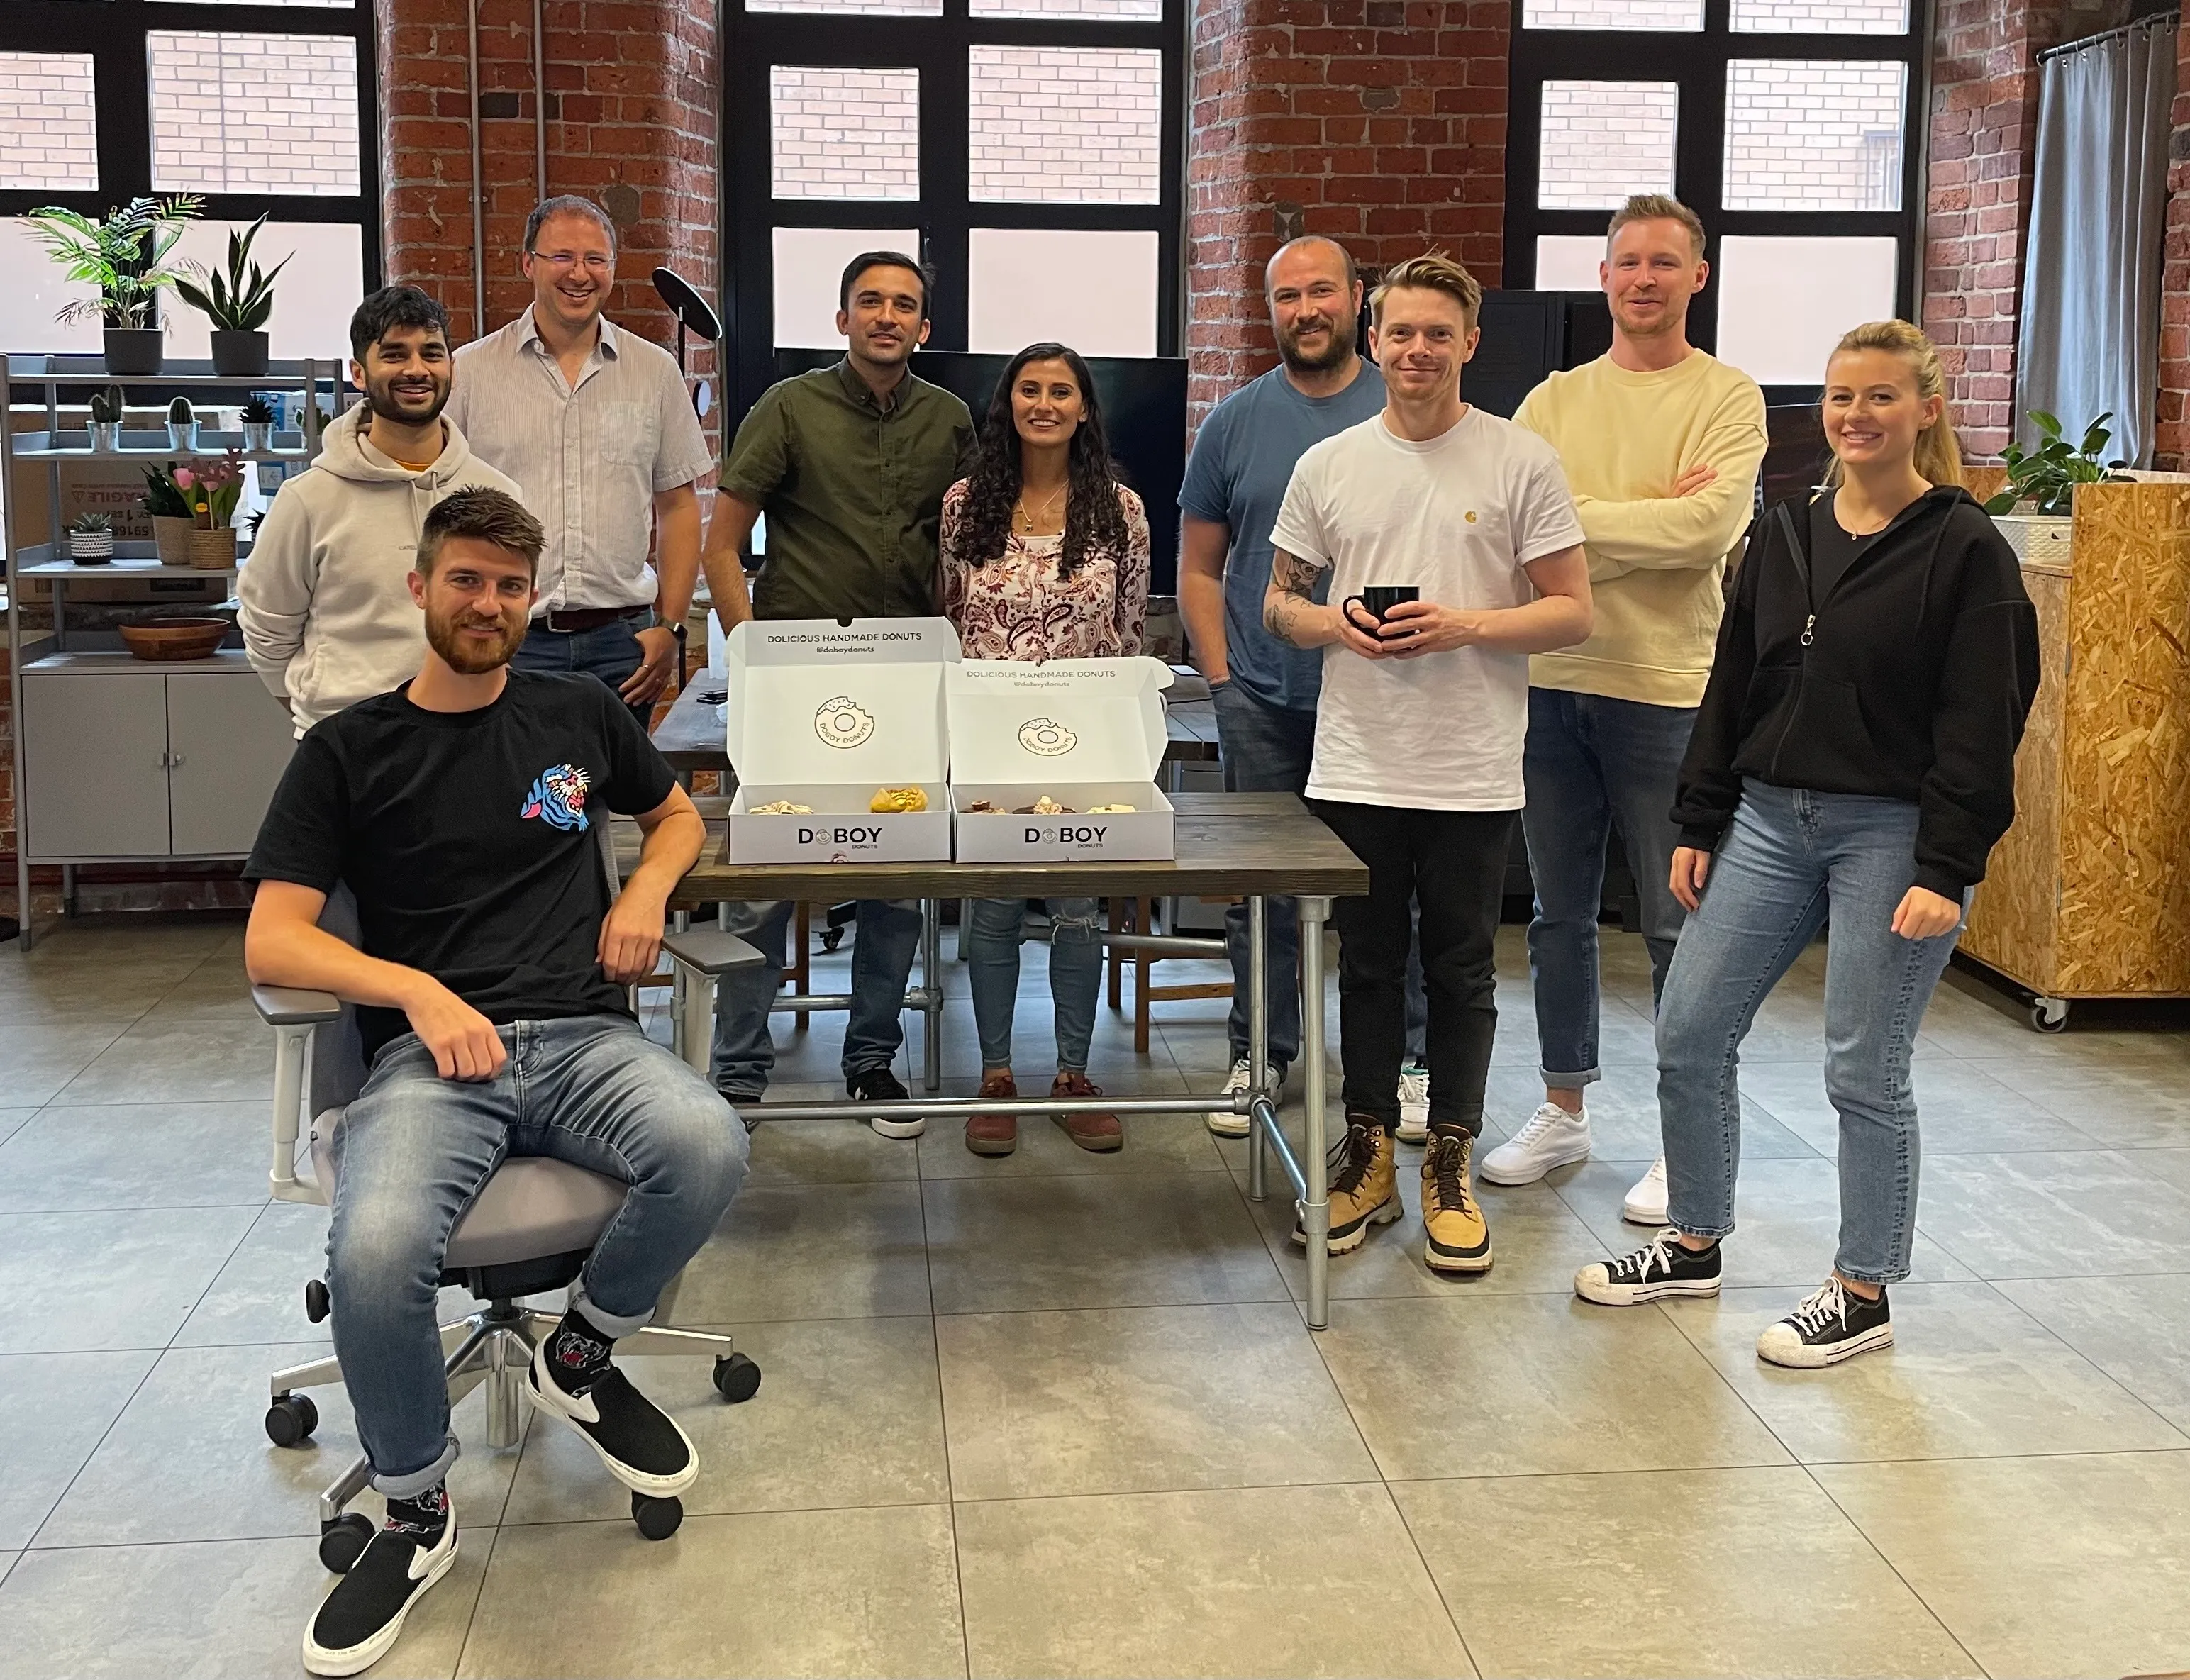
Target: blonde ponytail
(1938, 457)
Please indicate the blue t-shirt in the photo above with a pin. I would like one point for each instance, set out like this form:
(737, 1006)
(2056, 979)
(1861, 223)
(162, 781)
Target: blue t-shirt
(1243, 459)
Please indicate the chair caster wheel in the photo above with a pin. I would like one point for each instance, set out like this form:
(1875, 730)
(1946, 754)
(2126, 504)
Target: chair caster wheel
(736, 1378)
(2050, 1014)
(291, 1420)
(657, 1519)
(832, 939)
(343, 1541)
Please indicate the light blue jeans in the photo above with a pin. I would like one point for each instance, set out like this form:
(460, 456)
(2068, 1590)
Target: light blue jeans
(1076, 976)
(1789, 858)
(884, 942)
(412, 1152)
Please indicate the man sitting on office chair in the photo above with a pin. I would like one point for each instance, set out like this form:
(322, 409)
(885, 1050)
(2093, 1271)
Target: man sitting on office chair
(491, 1000)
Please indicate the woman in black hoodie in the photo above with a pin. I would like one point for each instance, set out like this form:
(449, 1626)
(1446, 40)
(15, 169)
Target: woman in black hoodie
(1855, 756)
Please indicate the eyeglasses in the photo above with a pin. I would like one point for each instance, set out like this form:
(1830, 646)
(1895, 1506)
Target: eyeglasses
(564, 261)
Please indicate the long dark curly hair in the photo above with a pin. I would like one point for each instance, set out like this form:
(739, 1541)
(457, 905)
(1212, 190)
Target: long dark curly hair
(1093, 521)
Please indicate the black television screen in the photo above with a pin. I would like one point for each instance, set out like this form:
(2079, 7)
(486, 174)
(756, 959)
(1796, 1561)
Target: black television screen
(1527, 335)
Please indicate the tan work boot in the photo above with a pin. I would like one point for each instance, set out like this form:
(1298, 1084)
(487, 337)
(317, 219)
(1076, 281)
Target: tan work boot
(1099, 1133)
(1458, 1237)
(993, 1134)
(1365, 1190)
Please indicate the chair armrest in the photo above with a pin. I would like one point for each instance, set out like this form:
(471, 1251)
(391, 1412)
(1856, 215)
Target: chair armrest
(709, 951)
(288, 1007)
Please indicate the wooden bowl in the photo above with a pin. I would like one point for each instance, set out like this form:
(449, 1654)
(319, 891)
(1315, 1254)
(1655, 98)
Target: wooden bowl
(175, 638)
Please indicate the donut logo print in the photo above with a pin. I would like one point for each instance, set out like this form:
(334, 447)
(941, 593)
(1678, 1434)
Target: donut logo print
(1046, 738)
(842, 722)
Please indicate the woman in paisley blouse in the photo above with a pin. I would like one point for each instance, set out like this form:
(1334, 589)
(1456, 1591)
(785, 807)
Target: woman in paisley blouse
(1044, 555)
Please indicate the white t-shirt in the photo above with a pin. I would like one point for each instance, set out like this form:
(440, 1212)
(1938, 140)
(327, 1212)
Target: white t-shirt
(1458, 517)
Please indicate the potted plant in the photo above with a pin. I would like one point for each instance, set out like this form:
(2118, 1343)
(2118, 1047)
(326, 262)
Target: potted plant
(169, 510)
(182, 426)
(125, 258)
(106, 420)
(258, 425)
(2034, 512)
(237, 303)
(212, 493)
(91, 539)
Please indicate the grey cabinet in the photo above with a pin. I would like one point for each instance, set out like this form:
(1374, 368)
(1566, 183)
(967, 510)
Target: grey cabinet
(227, 742)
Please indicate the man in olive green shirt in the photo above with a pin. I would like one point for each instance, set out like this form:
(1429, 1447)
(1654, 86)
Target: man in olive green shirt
(849, 464)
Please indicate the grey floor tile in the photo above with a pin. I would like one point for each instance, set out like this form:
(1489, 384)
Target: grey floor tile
(848, 1414)
(1623, 1115)
(810, 1251)
(793, 1592)
(85, 1281)
(2124, 1097)
(179, 1057)
(826, 1151)
(37, 1058)
(58, 1407)
(189, 1459)
(2054, 1215)
(2170, 1166)
(1134, 1399)
(1312, 1580)
(1021, 1244)
(1529, 1384)
(137, 1155)
(2136, 1330)
(206, 1610)
(2097, 1587)
(1969, 1376)
(1691, 1572)
(1160, 1143)
(12, 1121)
(1962, 1109)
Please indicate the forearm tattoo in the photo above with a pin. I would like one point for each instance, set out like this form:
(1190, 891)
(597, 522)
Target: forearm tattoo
(1288, 602)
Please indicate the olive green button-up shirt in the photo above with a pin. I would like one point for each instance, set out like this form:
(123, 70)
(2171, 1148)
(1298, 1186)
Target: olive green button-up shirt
(853, 492)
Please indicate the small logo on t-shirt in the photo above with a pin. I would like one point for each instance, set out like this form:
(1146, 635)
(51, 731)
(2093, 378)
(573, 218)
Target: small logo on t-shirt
(1470, 516)
(558, 798)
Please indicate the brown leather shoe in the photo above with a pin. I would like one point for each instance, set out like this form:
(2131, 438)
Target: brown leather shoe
(993, 1134)
(1099, 1133)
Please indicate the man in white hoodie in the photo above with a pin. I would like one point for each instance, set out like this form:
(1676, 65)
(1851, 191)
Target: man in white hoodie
(325, 609)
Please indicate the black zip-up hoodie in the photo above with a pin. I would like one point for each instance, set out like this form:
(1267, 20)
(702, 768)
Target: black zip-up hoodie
(1910, 679)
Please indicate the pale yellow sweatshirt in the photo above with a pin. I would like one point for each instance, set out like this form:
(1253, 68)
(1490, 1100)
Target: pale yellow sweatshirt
(1655, 559)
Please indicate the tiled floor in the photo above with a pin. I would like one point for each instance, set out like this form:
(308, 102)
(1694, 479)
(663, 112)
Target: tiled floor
(1059, 1414)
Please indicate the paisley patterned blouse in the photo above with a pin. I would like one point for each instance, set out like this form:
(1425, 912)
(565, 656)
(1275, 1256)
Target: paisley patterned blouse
(1016, 607)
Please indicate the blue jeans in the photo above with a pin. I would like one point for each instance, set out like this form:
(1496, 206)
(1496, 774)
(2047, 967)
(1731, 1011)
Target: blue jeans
(1592, 761)
(886, 941)
(411, 1154)
(608, 651)
(1268, 749)
(1076, 976)
(1789, 858)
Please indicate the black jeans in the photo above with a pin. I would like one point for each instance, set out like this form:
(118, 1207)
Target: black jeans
(1453, 865)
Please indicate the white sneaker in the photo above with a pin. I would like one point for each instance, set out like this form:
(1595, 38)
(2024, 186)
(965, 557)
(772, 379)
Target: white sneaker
(1413, 1105)
(1223, 1121)
(1552, 1137)
(1646, 1202)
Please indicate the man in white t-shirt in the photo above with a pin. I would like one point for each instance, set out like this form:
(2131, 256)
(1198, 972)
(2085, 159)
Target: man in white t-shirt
(1425, 709)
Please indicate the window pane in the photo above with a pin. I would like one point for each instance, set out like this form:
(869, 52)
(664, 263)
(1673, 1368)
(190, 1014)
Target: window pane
(36, 293)
(1783, 303)
(1096, 291)
(1682, 14)
(1603, 140)
(1065, 125)
(844, 133)
(1149, 11)
(903, 8)
(1824, 17)
(1567, 262)
(47, 139)
(312, 299)
(810, 268)
(254, 113)
(1813, 135)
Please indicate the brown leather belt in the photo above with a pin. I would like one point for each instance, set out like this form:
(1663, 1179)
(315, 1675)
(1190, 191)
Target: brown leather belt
(565, 620)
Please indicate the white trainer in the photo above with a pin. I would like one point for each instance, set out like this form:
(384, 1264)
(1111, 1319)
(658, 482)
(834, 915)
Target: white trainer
(1223, 1121)
(1413, 1105)
(1646, 1202)
(1552, 1137)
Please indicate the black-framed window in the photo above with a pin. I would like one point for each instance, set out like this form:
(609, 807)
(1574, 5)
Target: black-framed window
(261, 109)
(1031, 151)
(1793, 128)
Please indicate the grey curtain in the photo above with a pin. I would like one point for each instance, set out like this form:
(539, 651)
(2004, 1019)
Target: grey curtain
(2088, 343)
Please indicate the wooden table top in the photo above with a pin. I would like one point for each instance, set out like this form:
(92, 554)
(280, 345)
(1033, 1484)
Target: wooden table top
(1229, 845)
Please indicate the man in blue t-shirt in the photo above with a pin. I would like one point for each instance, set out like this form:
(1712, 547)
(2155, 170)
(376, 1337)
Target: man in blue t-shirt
(1265, 690)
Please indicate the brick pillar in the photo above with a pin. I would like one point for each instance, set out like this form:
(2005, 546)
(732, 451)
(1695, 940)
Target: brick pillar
(1380, 122)
(2171, 444)
(1982, 144)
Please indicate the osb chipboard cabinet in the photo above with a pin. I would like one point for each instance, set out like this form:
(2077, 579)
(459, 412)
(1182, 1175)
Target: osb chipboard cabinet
(2088, 895)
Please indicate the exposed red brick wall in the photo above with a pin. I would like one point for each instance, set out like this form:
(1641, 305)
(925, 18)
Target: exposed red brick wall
(1380, 122)
(1982, 140)
(2171, 443)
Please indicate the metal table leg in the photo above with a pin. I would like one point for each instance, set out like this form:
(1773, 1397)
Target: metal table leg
(1258, 1037)
(1315, 1206)
(931, 982)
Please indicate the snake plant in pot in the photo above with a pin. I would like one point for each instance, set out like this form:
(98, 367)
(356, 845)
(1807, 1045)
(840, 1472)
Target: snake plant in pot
(238, 303)
(125, 258)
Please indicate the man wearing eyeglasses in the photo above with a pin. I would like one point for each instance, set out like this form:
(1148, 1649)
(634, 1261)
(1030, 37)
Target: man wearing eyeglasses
(595, 425)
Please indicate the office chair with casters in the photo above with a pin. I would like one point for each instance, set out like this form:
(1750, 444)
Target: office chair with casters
(529, 1230)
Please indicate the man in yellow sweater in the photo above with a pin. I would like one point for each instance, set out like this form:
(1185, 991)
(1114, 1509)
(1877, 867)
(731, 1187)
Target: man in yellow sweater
(1661, 444)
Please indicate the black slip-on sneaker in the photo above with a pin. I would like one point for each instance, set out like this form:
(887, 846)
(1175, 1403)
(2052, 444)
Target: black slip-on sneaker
(641, 1445)
(357, 1622)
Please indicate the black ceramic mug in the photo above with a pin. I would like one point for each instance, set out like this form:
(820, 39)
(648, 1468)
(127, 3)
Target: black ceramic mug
(1379, 599)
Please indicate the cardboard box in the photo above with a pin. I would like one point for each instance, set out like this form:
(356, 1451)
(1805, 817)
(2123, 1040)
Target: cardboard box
(1086, 732)
(823, 714)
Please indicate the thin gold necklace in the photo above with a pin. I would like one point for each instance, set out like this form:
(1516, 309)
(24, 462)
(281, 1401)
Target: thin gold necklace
(1027, 520)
